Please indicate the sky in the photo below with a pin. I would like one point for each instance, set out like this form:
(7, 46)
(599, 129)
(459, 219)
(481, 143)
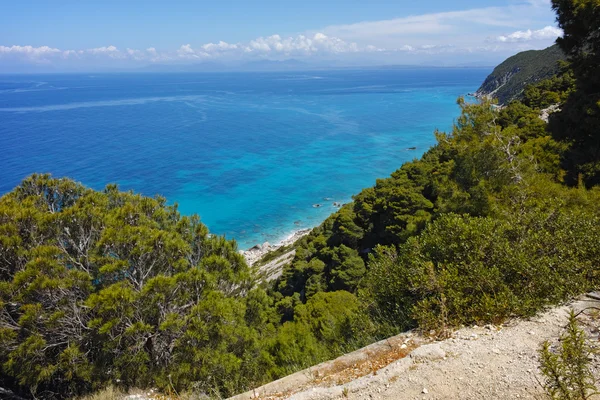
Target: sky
(85, 35)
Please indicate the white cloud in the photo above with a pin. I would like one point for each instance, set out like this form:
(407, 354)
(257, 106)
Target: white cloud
(319, 43)
(29, 50)
(548, 32)
(479, 31)
(103, 50)
(540, 3)
(137, 55)
(186, 49)
(70, 53)
(465, 29)
(109, 51)
(435, 24)
(34, 55)
(186, 52)
(218, 47)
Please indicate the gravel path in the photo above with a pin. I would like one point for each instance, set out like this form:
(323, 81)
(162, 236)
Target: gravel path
(475, 363)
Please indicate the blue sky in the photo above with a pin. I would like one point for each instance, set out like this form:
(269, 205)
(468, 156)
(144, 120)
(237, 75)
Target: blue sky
(85, 34)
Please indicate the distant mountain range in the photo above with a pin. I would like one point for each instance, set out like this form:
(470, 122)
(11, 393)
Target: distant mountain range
(261, 65)
(287, 65)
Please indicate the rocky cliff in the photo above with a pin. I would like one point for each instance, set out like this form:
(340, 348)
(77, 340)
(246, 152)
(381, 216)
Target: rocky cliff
(508, 80)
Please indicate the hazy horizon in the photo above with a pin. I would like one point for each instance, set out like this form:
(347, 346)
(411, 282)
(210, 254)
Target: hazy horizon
(37, 37)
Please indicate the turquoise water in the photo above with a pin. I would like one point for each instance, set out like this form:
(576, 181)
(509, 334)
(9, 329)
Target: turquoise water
(251, 153)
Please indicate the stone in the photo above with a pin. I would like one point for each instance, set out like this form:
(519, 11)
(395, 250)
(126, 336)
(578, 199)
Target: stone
(425, 391)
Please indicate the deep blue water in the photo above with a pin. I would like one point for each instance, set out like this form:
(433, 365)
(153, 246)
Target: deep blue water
(250, 152)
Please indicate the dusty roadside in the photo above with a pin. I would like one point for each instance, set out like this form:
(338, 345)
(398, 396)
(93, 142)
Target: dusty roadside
(491, 362)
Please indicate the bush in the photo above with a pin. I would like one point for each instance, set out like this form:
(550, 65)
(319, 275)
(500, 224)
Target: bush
(567, 372)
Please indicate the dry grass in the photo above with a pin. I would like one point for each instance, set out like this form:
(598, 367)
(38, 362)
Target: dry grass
(340, 373)
(113, 393)
(110, 393)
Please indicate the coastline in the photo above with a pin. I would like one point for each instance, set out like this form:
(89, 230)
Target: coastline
(257, 252)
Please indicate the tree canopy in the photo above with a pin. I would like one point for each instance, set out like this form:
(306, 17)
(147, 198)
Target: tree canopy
(578, 122)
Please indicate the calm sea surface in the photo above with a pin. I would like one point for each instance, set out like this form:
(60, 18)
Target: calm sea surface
(251, 153)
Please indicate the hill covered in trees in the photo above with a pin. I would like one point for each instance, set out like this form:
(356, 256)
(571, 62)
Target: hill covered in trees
(509, 79)
(501, 218)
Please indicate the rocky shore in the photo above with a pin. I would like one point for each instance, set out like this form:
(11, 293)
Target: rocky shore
(257, 252)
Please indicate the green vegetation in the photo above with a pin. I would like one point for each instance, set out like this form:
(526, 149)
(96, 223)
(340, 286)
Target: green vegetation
(478, 230)
(100, 288)
(579, 120)
(509, 79)
(501, 218)
(567, 372)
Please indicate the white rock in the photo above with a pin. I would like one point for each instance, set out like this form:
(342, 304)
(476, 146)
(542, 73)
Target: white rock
(425, 391)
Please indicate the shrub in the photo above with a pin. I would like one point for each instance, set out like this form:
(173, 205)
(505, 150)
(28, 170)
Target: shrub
(567, 372)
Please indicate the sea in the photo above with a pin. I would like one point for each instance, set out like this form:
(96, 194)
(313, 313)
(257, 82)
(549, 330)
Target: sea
(258, 155)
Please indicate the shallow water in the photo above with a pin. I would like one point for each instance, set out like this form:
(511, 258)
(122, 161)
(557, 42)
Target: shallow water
(250, 152)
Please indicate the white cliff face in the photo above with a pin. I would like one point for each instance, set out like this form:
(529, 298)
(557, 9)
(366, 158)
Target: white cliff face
(546, 112)
(494, 83)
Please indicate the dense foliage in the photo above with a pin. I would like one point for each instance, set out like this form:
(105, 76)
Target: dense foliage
(112, 287)
(100, 288)
(579, 120)
(477, 230)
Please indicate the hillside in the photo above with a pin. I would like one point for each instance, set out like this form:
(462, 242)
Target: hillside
(509, 79)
